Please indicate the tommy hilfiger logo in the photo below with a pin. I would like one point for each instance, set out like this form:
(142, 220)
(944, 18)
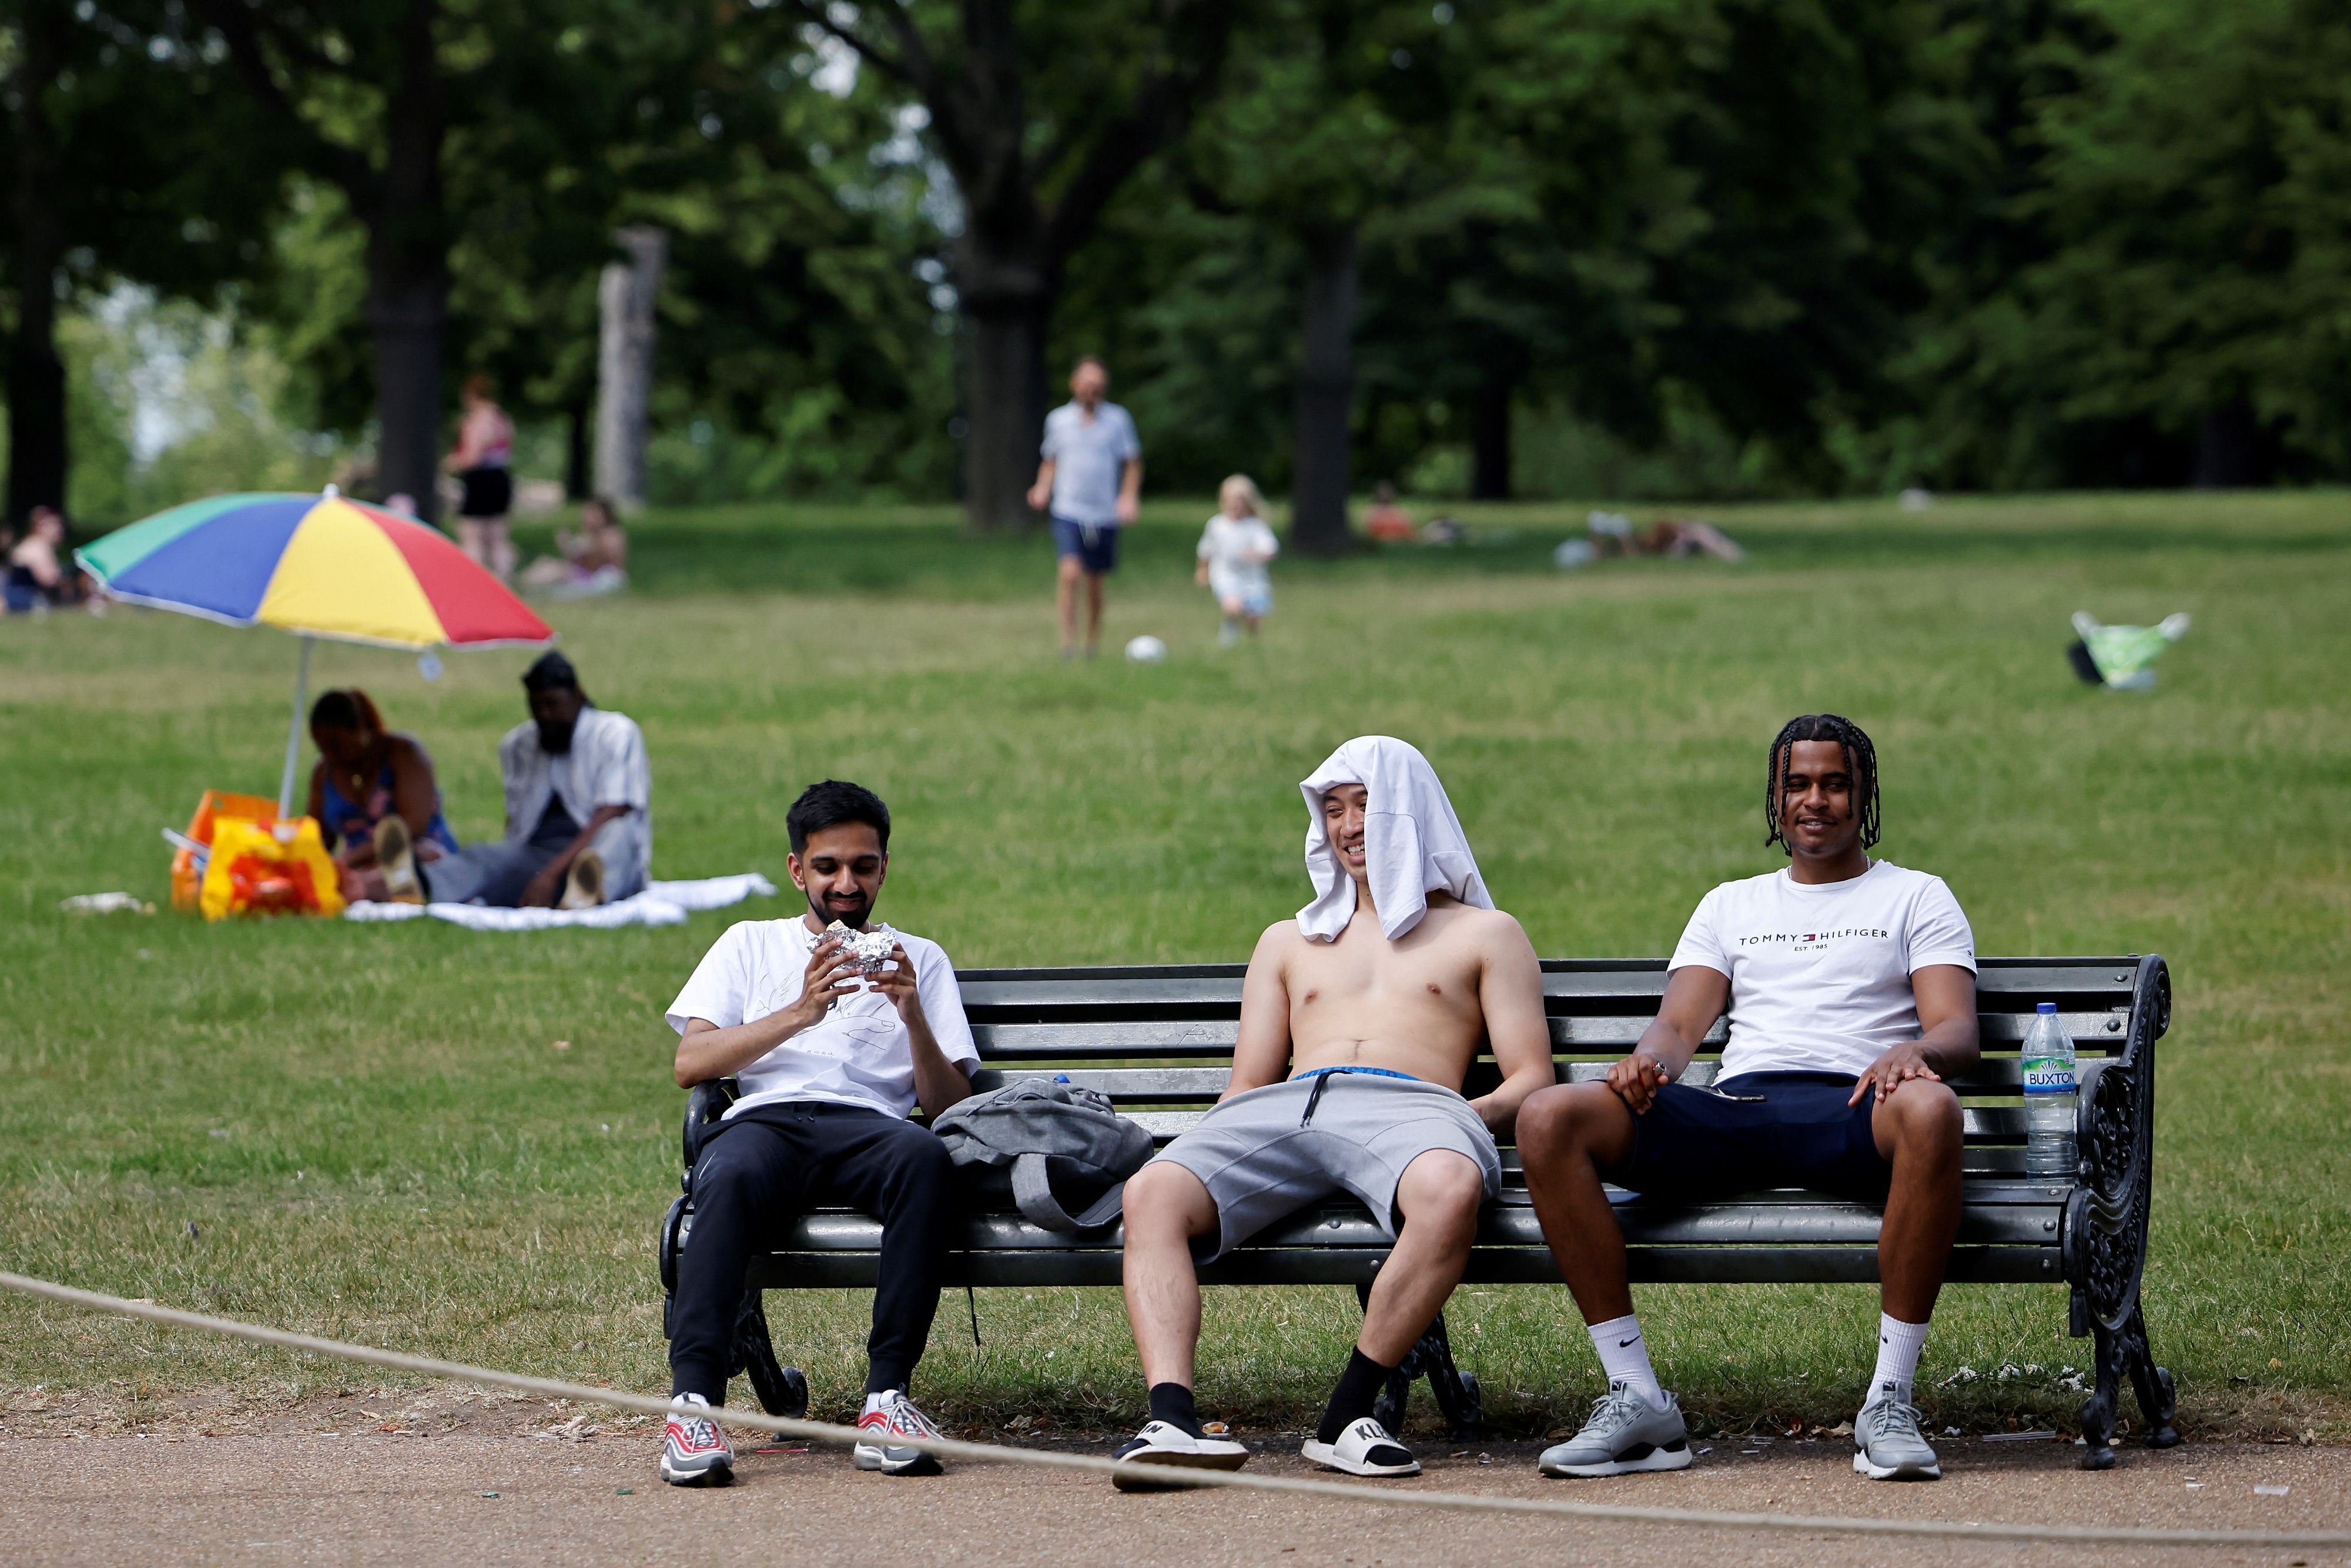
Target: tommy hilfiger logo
(1809, 938)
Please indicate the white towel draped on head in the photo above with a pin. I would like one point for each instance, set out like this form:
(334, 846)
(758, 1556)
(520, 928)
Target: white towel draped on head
(1413, 843)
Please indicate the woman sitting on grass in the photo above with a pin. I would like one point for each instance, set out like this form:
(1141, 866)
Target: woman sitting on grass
(374, 797)
(594, 560)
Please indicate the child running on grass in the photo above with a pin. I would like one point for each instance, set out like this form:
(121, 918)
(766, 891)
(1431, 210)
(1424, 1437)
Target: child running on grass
(1234, 549)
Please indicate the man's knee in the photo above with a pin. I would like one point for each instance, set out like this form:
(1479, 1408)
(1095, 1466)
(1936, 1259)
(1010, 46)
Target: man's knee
(1166, 1197)
(1925, 1119)
(1443, 1190)
(1561, 1121)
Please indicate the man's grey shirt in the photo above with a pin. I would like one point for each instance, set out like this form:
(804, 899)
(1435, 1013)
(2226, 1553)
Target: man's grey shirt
(1089, 457)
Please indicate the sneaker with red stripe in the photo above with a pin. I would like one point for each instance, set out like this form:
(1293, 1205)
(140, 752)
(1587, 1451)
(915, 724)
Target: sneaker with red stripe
(694, 1451)
(893, 1414)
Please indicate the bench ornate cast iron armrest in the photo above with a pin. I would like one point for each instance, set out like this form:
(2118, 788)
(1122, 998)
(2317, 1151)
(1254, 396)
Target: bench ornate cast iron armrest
(1159, 1042)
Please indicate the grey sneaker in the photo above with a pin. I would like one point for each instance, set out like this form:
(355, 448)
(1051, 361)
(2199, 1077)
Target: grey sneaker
(1888, 1445)
(1624, 1433)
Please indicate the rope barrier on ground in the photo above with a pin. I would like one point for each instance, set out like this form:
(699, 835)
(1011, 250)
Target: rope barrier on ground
(951, 1448)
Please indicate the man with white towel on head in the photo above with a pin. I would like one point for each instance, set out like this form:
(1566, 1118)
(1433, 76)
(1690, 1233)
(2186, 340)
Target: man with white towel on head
(1359, 1021)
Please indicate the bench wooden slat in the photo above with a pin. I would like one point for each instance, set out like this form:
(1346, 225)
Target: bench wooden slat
(1630, 983)
(1785, 1218)
(1613, 1034)
(1983, 1124)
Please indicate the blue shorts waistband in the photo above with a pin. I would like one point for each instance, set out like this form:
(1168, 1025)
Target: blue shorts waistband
(1369, 1071)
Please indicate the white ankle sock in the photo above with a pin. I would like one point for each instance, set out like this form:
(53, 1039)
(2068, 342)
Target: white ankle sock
(873, 1401)
(1899, 1344)
(1625, 1357)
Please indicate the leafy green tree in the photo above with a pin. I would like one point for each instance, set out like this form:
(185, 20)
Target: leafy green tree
(441, 121)
(103, 182)
(1041, 112)
(2189, 267)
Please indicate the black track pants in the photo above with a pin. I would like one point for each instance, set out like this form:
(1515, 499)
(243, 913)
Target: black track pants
(762, 1170)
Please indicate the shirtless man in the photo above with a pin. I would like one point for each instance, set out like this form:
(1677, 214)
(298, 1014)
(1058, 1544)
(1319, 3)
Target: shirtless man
(1359, 1019)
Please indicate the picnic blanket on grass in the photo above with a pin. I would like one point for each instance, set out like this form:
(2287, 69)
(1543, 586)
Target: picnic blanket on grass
(661, 904)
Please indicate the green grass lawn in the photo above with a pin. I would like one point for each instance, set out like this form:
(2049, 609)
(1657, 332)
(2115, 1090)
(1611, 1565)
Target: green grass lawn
(371, 1133)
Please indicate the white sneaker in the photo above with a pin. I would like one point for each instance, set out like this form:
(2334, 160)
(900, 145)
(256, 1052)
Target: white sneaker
(1365, 1448)
(889, 1416)
(1161, 1444)
(695, 1452)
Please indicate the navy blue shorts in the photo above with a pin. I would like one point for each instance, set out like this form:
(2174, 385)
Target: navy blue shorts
(1800, 1133)
(1096, 547)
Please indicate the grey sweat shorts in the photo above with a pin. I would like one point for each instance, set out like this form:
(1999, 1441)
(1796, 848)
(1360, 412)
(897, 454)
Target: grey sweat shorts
(1262, 1156)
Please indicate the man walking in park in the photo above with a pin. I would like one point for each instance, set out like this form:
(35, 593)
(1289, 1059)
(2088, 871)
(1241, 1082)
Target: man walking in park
(830, 1059)
(1851, 987)
(578, 797)
(1359, 1021)
(1091, 484)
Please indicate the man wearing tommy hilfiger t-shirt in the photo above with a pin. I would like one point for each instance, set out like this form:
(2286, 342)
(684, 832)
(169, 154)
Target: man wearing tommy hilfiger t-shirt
(1851, 987)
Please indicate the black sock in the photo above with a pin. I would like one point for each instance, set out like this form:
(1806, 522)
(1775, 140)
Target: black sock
(1172, 1402)
(1359, 1386)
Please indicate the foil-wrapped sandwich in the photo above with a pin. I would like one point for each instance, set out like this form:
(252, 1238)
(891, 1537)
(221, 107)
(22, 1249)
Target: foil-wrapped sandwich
(868, 950)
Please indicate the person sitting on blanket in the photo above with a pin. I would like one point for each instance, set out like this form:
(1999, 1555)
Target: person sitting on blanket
(579, 828)
(367, 777)
(1359, 1021)
(1851, 986)
(830, 1060)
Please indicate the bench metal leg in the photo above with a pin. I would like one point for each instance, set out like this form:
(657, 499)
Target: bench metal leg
(1458, 1397)
(782, 1390)
(2106, 1229)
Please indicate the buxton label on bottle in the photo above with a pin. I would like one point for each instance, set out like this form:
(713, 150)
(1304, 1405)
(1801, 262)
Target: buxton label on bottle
(2048, 1077)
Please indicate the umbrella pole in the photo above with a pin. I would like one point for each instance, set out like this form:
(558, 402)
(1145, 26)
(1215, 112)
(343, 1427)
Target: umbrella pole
(294, 734)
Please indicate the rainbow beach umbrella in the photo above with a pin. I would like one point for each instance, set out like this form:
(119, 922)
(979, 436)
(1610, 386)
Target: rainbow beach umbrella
(317, 566)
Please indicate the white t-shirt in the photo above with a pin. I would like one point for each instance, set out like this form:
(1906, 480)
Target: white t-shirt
(1090, 457)
(1226, 544)
(857, 1054)
(1820, 972)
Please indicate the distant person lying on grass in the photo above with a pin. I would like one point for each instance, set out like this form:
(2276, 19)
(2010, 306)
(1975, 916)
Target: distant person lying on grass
(830, 1062)
(372, 783)
(578, 797)
(1359, 1020)
(1851, 986)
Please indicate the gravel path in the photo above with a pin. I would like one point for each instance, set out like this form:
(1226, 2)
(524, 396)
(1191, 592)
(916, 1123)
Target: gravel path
(371, 1496)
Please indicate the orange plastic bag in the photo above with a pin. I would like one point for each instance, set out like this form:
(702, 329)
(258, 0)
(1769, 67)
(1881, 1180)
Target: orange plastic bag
(279, 868)
(187, 877)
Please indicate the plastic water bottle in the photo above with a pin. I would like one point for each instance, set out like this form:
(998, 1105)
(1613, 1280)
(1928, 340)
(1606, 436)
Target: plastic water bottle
(2050, 1098)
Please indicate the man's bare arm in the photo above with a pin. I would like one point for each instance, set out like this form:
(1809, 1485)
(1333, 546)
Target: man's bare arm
(1949, 1040)
(705, 1050)
(1261, 1056)
(1130, 491)
(1040, 493)
(1509, 990)
(1695, 996)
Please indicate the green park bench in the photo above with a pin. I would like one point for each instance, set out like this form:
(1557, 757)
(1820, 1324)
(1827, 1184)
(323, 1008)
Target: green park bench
(1159, 1041)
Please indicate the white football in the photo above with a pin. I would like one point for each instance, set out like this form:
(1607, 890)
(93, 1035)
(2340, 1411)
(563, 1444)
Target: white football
(1146, 650)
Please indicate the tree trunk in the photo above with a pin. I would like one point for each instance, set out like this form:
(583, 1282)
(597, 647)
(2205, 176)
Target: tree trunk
(1008, 301)
(408, 274)
(2228, 455)
(1489, 437)
(579, 421)
(36, 376)
(1326, 397)
(625, 297)
(409, 317)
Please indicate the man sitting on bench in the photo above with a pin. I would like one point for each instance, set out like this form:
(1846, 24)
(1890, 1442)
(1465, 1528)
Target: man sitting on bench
(1851, 985)
(830, 1060)
(1359, 1020)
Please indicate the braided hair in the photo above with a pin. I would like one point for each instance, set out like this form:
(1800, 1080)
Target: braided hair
(1860, 765)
